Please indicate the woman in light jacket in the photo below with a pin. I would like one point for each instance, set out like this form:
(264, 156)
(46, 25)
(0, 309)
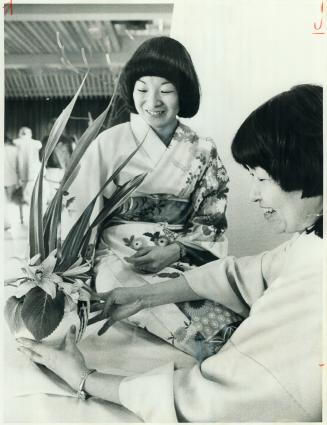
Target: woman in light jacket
(269, 370)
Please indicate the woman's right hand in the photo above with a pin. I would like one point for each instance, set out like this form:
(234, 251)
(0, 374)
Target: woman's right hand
(116, 305)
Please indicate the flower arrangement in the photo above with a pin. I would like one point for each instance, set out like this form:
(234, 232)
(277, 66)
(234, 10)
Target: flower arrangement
(57, 274)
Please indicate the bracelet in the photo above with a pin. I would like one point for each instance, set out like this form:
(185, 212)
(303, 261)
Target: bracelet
(182, 249)
(81, 394)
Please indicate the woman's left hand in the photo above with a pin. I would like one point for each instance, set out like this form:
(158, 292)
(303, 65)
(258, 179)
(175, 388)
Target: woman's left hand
(152, 259)
(67, 361)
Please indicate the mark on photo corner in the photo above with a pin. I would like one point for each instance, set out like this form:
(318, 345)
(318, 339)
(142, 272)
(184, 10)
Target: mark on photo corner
(319, 25)
(8, 6)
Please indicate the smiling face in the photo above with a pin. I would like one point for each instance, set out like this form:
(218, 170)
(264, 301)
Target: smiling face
(285, 211)
(156, 101)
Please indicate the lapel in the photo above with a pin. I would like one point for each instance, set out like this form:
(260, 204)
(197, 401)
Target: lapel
(152, 145)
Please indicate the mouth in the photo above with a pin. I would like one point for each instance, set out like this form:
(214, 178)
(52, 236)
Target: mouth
(154, 113)
(269, 212)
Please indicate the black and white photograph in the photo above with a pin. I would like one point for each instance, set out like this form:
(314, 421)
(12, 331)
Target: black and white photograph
(163, 173)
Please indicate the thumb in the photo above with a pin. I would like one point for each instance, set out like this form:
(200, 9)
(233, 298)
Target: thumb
(71, 337)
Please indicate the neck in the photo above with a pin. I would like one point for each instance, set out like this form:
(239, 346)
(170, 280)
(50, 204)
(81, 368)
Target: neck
(166, 133)
(314, 211)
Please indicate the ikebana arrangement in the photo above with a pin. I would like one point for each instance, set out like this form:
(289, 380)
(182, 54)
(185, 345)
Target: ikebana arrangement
(54, 291)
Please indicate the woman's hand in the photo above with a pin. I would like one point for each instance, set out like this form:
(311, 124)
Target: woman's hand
(67, 361)
(117, 304)
(155, 258)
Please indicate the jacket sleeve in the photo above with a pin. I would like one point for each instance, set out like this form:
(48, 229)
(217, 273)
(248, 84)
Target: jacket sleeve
(221, 389)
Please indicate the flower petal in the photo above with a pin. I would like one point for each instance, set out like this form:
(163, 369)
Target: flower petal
(50, 262)
(24, 288)
(77, 270)
(48, 286)
(34, 259)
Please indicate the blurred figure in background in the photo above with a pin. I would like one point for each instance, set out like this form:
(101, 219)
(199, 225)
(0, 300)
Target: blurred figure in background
(57, 164)
(10, 176)
(28, 161)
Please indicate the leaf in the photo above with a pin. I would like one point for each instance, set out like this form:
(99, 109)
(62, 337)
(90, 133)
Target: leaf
(24, 287)
(53, 214)
(13, 316)
(48, 286)
(42, 314)
(36, 240)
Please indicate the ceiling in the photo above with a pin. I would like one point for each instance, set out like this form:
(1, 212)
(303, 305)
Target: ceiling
(48, 48)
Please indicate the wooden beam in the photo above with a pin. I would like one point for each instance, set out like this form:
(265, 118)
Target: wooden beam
(114, 40)
(89, 12)
(97, 60)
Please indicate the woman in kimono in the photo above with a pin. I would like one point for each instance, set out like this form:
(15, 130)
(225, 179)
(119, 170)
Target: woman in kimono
(268, 371)
(176, 218)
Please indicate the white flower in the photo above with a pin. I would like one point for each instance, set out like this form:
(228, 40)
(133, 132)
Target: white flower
(41, 276)
(74, 292)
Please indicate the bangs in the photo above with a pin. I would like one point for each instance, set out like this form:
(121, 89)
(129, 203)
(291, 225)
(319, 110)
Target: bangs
(250, 146)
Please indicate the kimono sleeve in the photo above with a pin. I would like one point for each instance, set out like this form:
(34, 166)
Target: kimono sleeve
(207, 224)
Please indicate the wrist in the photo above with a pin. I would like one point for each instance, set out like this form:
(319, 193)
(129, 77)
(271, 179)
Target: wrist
(81, 392)
(181, 250)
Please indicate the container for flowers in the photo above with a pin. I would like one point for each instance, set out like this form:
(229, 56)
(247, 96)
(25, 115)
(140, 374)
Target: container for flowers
(54, 292)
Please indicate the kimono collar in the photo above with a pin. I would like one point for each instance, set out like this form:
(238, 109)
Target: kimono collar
(152, 144)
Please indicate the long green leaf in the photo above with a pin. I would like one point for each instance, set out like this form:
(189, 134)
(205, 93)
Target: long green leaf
(70, 247)
(36, 240)
(118, 198)
(72, 170)
(111, 205)
(86, 139)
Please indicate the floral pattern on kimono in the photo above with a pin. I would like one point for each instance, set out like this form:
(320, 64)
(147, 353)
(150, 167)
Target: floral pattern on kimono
(182, 198)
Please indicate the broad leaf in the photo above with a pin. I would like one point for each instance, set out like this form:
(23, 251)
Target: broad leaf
(13, 316)
(42, 314)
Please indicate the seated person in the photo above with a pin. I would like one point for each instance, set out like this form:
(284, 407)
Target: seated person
(175, 220)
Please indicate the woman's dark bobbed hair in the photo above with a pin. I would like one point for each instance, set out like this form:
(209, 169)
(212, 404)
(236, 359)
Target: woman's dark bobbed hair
(167, 58)
(284, 136)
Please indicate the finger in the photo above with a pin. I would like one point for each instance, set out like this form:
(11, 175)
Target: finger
(30, 343)
(124, 311)
(102, 296)
(96, 307)
(109, 304)
(70, 339)
(31, 354)
(140, 260)
(95, 319)
(141, 252)
(95, 296)
(106, 326)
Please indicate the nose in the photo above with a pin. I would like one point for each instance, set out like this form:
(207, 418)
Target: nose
(255, 194)
(154, 99)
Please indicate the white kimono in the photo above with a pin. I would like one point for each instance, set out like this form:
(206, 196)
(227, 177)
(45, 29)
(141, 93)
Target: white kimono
(269, 370)
(183, 198)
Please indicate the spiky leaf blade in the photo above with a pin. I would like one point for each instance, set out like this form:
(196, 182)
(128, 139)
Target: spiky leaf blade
(42, 314)
(36, 241)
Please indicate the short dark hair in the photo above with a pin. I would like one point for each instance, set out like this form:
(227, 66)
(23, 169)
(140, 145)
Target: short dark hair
(167, 58)
(284, 136)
